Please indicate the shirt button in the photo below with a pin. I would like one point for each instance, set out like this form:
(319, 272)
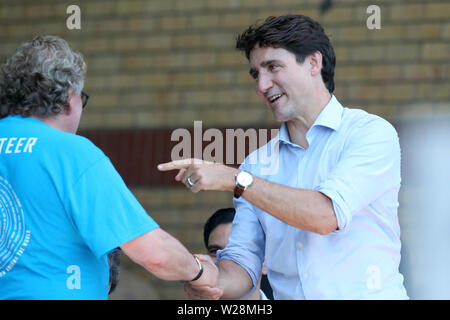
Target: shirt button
(300, 245)
(305, 275)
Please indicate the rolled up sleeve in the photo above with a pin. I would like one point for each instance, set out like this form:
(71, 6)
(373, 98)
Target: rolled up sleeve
(246, 242)
(368, 167)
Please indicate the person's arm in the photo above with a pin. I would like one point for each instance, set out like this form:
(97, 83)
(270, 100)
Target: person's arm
(165, 257)
(368, 167)
(305, 209)
(240, 262)
(253, 294)
(234, 282)
(301, 208)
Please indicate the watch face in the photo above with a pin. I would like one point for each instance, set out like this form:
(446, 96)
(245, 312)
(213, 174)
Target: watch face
(244, 178)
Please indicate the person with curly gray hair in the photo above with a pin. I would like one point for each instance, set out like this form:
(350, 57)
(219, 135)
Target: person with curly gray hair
(40, 77)
(63, 206)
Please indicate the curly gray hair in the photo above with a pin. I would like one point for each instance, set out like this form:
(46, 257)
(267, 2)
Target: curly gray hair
(35, 80)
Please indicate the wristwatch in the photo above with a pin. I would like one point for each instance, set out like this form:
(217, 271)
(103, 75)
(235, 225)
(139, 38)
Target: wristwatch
(243, 181)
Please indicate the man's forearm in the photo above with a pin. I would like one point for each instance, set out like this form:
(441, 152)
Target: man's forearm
(163, 255)
(233, 280)
(172, 261)
(301, 208)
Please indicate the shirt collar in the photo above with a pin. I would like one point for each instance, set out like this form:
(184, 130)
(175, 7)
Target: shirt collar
(330, 117)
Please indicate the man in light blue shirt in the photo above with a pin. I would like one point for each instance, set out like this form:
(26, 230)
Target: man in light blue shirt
(359, 170)
(322, 213)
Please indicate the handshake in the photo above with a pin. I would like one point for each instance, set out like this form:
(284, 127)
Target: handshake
(233, 281)
(204, 288)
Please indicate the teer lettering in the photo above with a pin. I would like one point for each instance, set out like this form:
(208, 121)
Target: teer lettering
(17, 145)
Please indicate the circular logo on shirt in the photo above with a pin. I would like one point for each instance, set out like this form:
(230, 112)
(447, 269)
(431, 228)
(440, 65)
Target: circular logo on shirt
(13, 236)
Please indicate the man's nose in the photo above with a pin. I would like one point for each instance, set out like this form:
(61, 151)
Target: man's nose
(264, 84)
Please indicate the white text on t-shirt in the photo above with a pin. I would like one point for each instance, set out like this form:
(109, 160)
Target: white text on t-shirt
(17, 145)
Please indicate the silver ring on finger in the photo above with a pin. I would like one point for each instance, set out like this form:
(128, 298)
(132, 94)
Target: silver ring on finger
(189, 182)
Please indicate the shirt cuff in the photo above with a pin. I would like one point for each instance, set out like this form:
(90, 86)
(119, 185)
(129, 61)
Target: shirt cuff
(243, 262)
(341, 209)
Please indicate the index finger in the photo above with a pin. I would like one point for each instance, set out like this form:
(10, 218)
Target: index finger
(178, 164)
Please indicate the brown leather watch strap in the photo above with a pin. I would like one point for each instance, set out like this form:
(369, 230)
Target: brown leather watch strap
(238, 190)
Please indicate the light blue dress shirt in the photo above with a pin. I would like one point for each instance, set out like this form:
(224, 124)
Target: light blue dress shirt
(354, 158)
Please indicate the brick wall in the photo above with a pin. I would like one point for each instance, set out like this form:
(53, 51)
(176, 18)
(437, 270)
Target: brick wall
(168, 63)
(162, 64)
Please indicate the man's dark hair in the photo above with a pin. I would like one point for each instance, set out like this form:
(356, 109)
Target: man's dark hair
(114, 270)
(297, 34)
(221, 216)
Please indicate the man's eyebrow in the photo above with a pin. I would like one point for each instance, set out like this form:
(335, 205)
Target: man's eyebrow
(253, 72)
(267, 62)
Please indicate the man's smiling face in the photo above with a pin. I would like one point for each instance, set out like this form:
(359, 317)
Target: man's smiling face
(282, 82)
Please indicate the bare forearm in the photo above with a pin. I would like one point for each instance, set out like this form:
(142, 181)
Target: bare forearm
(162, 255)
(179, 265)
(233, 280)
(301, 208)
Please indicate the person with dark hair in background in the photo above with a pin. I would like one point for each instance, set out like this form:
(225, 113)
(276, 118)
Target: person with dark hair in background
(114, 270)
(63, 206)
(322, 214)
(215, 236)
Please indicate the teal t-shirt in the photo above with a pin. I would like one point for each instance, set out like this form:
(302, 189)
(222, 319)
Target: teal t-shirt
(63, 208)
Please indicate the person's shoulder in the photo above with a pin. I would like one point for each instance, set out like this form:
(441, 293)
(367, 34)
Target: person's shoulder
(79, 156)
(82, 142)
(359, 121)
(362, 128)
(70, 150)
(77, 144)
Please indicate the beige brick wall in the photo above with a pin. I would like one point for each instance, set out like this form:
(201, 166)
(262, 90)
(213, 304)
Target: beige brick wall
(171, 62)
(166, 63)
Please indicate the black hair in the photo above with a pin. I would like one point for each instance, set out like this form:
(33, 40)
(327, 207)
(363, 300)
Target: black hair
(297, 34)
(221, 216)
(114, 269)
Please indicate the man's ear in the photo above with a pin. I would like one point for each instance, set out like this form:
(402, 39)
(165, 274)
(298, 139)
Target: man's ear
(67, 108)
(315, 60)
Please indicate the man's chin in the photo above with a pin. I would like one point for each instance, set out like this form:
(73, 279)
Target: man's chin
(278, 117)
(277, 114)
